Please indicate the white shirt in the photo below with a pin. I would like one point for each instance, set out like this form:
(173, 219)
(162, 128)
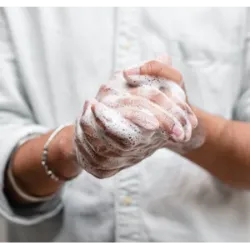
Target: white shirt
(53, 59)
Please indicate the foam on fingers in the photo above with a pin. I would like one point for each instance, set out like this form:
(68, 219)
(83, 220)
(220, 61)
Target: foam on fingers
(115, 124)
(141, 118)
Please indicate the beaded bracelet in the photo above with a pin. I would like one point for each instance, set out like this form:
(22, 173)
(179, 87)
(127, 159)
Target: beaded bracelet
(44, 161)
(21, 193)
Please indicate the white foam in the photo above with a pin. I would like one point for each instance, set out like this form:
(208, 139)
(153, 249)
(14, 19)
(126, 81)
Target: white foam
(137, 141)
(117, 124)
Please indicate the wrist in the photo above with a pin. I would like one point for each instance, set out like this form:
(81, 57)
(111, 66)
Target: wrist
(64, 154)
(199, 134)
(213, 126)
(211, 131)
(28, 170)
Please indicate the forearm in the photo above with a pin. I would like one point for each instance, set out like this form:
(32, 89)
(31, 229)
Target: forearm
(28, 171)
(226, 151)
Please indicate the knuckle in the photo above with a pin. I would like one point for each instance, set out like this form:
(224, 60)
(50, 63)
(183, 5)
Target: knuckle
(152, 67)
(182, 119)
(103, 87)
(148, 68)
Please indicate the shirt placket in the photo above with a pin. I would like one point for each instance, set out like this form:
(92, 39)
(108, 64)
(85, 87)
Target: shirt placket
(127, 46)
(127, 53)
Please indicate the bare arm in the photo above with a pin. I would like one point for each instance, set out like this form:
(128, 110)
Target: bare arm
(28, 171)
(16, 121)
(226, 151)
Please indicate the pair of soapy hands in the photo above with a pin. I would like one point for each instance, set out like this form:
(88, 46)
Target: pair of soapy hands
(139, 111)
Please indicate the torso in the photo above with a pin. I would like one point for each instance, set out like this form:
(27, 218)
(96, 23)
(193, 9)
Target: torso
(67, 53)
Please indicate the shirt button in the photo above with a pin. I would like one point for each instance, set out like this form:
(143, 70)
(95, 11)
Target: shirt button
(127, 200)
(126, 45)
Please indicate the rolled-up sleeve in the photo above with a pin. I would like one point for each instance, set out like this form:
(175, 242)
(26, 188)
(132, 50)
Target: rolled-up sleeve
(16, 122)
(242, 105)
(242, 108)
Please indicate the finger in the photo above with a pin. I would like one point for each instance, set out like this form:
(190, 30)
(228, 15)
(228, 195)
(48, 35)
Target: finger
(88, 155)
(191, 115)
(168, 123)
(92, 157)
(113, 125)
(175, 93)
(98, 143)
(157, 69)
(113, 138)
(141, 118)
(106, 90)
(142, 80)
(169, 87)
(92, 160)
(167, 104)
(164, 59)
(87, 125)
(139, 80)
(91, 134)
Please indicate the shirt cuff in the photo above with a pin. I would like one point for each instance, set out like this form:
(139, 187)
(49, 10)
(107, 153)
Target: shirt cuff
(242, 108)
(30, 214)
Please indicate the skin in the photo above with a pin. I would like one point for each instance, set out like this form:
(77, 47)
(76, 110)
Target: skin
(225, 152)
(222, 149)
(123, 125)
(27, 169)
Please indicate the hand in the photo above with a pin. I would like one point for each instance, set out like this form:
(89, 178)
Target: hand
(109, 139)
(126, 123)
(118, 129)
(159, 82)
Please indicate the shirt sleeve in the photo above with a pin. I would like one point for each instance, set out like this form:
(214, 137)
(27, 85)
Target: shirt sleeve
(16, 122)
(242, 105)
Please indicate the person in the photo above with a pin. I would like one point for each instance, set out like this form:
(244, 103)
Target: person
(88, 156)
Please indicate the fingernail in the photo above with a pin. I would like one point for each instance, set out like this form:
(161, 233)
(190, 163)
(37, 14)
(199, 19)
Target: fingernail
(133, 71)
(177, 131)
